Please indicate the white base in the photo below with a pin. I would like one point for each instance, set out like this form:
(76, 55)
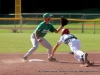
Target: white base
(36, 60)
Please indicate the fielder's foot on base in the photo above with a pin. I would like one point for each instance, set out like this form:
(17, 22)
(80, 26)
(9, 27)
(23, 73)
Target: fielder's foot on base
(24, 59)
(53, 59)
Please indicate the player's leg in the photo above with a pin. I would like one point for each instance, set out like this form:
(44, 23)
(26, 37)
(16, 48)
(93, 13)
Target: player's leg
(73, 46)
(47, 45)
(35, 46)
(80, 55)
(76, 46)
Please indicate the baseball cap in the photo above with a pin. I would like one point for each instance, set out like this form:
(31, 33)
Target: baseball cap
(46, 15)
(65, 31)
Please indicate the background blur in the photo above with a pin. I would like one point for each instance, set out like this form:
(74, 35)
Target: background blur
(19, 18)
(38, 6)
(32, 11)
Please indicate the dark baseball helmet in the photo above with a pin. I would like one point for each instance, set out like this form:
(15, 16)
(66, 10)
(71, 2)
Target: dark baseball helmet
(65, 31)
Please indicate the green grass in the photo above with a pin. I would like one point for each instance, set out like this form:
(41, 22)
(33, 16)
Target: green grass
(20, 42)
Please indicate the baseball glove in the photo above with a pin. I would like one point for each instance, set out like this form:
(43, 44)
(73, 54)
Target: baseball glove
(63, 21)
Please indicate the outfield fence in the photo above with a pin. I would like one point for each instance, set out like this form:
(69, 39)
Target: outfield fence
(86, 21)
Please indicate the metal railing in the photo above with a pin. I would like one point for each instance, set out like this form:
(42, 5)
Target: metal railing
(35, 18)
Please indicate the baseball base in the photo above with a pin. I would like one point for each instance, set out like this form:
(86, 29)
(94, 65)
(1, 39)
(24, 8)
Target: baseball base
(36, 60)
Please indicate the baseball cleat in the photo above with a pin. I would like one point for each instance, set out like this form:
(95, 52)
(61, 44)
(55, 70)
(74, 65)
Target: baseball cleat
(84, 58)
(71, 52)
(24, 59)
(90, 63)
(53, 59)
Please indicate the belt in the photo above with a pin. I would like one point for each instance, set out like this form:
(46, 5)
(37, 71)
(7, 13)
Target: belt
(69, 40)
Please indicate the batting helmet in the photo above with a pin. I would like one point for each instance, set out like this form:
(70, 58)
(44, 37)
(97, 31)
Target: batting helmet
(65, 31)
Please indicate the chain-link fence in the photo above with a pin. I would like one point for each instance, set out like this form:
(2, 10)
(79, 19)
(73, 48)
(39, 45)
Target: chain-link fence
(33, 19)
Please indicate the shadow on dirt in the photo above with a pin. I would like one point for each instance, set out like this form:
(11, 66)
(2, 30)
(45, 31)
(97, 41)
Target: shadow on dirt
(69, 62)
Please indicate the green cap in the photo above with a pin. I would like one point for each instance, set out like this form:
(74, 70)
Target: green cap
(46, 15)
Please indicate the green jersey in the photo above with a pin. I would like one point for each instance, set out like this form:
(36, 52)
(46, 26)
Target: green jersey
(44, 28)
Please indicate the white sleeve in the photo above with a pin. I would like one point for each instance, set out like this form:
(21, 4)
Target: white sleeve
(60, 40)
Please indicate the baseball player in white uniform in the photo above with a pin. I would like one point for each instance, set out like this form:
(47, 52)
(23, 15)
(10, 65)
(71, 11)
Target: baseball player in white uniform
(75, 46)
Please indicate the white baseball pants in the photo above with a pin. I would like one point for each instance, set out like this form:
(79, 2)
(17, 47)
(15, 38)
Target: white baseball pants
(75, 46)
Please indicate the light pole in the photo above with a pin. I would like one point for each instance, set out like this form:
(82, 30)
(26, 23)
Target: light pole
(0, 6)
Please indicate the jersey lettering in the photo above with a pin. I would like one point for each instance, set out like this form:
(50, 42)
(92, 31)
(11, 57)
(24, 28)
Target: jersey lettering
(45, 31)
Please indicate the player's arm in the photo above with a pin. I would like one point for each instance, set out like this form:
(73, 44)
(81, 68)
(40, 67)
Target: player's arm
(53, 29)
(57, 30)
(57, 45)
(55, 48)
(39, 28)
(36, 35)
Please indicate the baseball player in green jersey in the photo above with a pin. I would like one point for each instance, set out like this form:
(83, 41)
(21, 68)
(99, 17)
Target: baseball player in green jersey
(38, 34)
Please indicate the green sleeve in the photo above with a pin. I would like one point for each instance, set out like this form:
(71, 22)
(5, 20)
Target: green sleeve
(52, 29)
